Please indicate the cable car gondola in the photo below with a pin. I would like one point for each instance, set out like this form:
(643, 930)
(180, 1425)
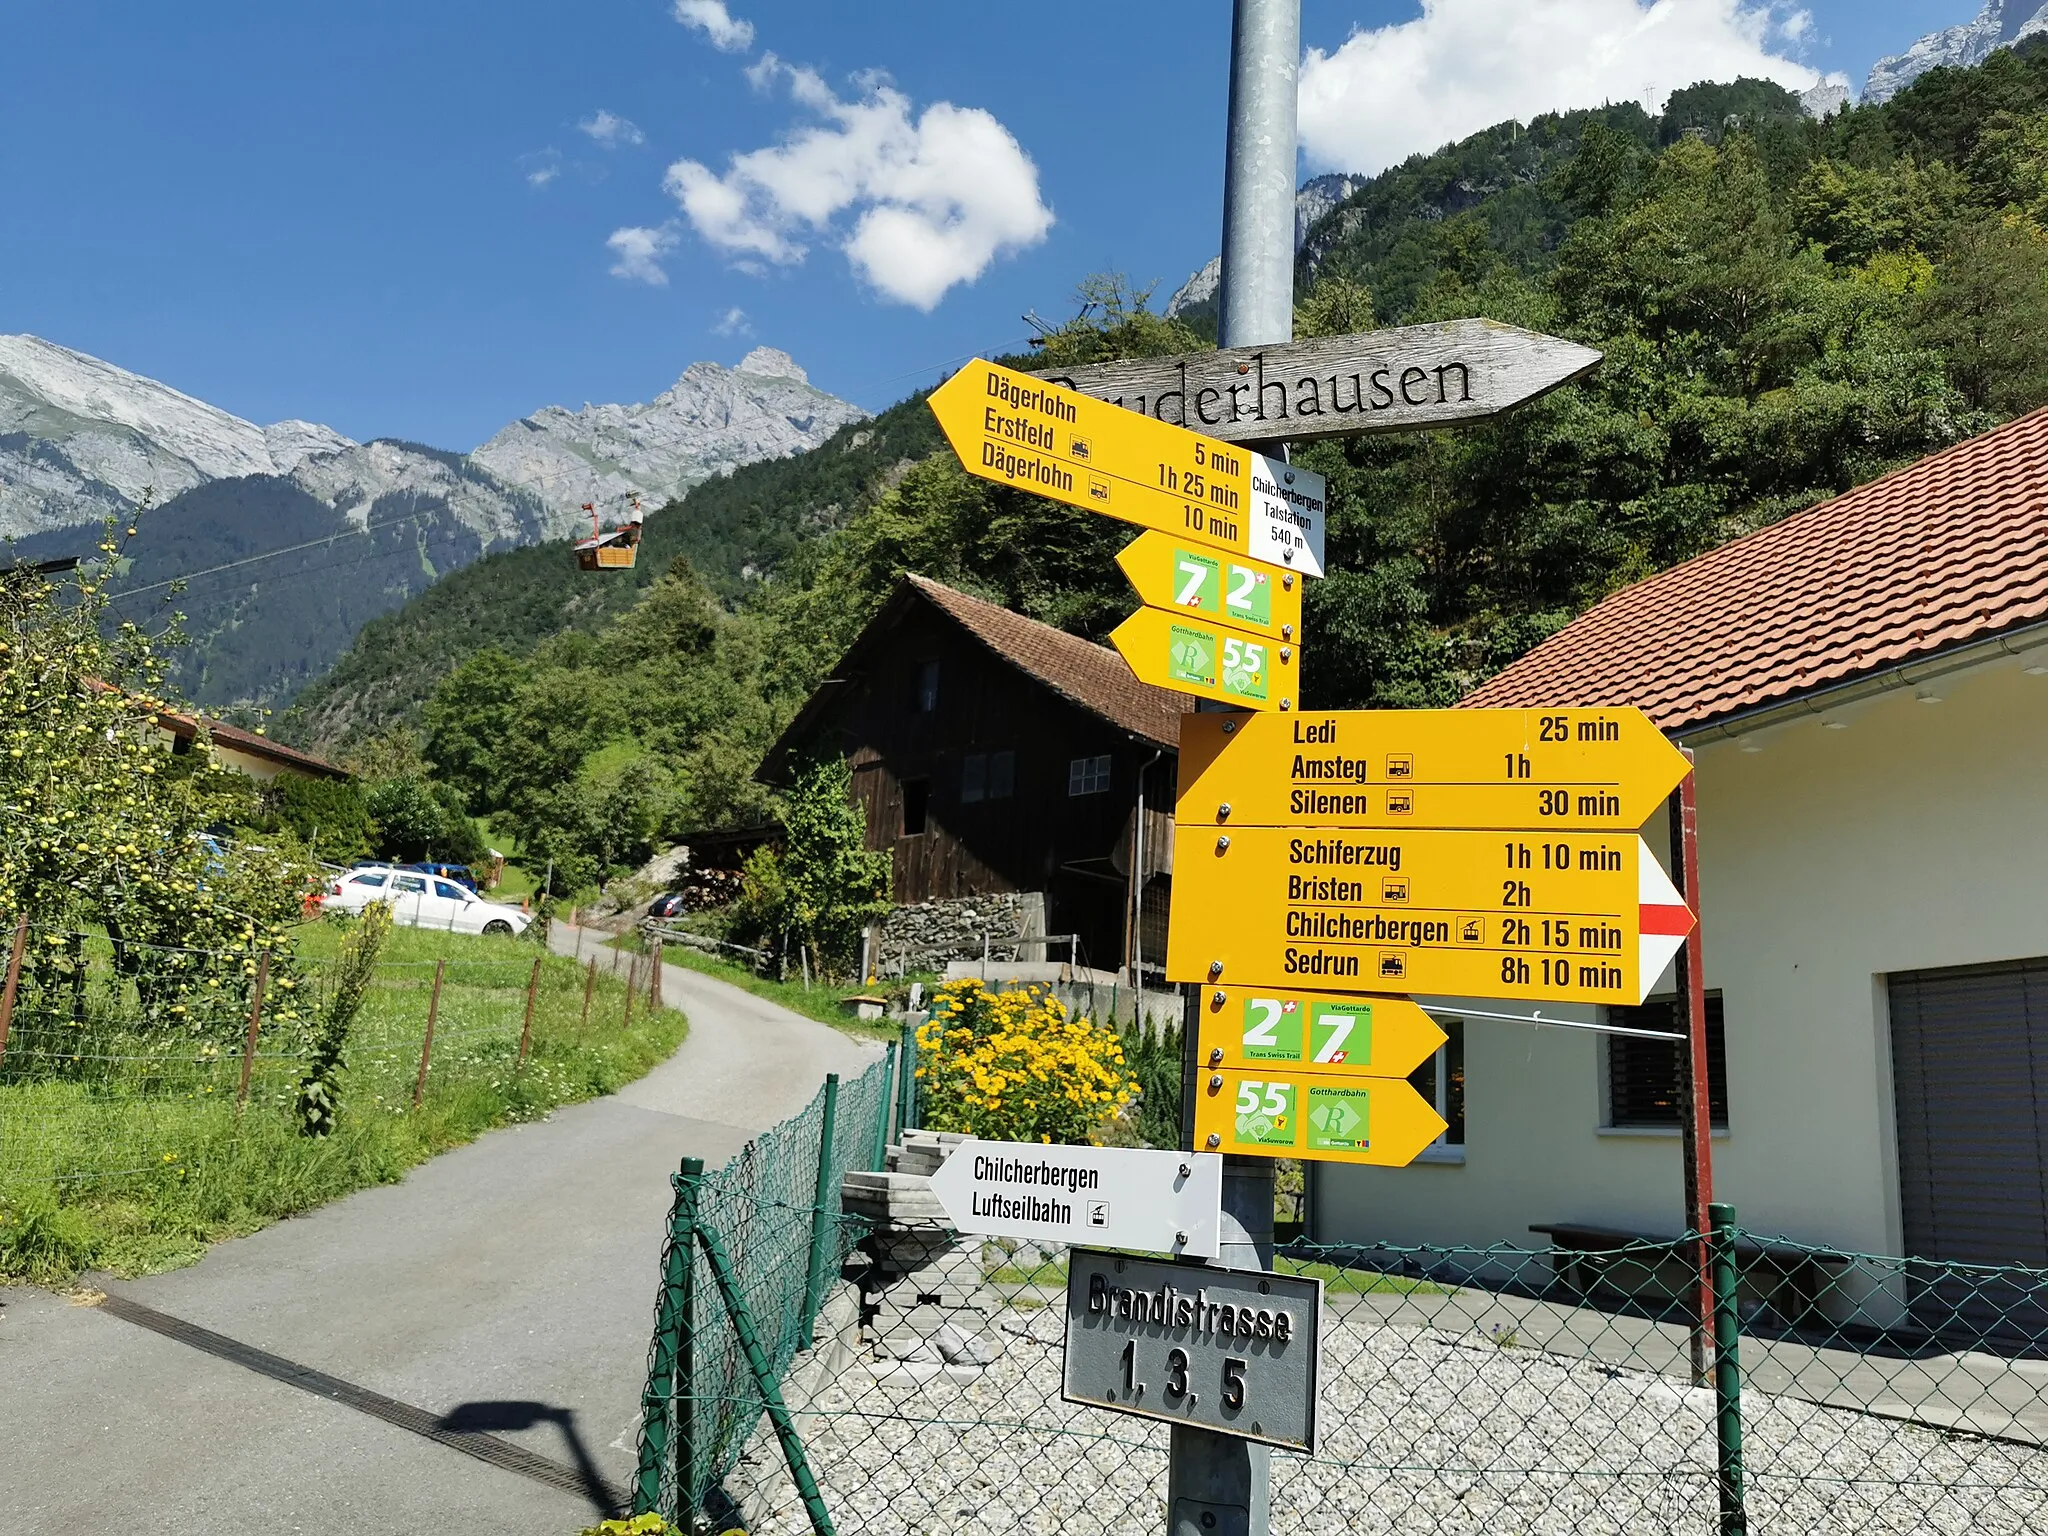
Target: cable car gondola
(610, 549)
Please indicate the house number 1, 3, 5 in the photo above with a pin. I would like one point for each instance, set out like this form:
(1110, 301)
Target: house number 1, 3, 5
(1177, 1389)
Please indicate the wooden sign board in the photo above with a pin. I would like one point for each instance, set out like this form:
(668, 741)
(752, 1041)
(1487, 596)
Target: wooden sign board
(1263, 1112)
(1182, 576)
(1013, 429)
(1400, 380)
(1539, 770)
(1336, 1034)
(1567, 917)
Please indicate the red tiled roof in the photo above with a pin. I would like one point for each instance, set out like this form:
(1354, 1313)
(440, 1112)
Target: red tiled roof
(1943, 552)
(239, 740)
(1090, 675)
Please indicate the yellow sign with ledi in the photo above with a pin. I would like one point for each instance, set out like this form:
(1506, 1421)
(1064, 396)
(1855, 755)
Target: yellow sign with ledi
(1184, 577)
(1260, 1112)
(1017, 430)
(1331, 1034)
(1536, 770)
(1567, 917)
(1209, 660)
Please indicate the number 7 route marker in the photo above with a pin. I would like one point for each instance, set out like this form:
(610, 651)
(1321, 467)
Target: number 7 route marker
(1334, 1034)
(1184, 577)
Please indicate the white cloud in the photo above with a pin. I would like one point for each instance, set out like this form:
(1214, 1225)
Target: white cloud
(639, 252)
(733, 322)
(1463, 65)
(541, 167)
(932, 200)
(611, 130)
(726, 32)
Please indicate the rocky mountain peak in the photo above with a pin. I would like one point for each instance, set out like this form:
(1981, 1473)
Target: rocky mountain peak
(1999, 25)
(772, 363)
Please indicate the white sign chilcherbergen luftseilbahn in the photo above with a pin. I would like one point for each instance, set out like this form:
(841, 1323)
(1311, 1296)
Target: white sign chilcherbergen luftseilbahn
(1118, 1197)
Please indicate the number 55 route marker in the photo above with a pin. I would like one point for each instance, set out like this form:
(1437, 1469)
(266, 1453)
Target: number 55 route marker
(1012, 428)
(1333, 1034)
(1180, 575)
(1210, 660)
(1264, 1113)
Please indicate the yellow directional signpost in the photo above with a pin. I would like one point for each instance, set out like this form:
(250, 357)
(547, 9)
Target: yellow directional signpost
(1539, 770)
(1181, 575)
(1087, 453)
(1564, 916)
(1267, 1113)
(1211, 661)
(1347, 1034)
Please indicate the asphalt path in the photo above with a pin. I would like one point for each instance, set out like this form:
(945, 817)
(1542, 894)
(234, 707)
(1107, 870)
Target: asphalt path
(464, 1350)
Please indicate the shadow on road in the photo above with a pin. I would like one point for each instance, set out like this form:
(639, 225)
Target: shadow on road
(501, 1417)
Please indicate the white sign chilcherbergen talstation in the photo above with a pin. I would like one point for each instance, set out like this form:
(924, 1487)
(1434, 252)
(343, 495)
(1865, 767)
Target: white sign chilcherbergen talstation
(1116, 1197)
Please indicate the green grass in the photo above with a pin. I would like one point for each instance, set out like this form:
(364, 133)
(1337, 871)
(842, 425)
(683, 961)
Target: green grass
(1356, 1282)
(819, 1001)
(140, 1168)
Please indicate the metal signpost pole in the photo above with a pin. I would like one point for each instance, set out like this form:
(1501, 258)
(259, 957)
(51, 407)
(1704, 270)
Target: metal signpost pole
(1220, 1485)
(1696, 1098)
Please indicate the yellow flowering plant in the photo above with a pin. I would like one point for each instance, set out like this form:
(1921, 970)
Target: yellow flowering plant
(1014, 1065)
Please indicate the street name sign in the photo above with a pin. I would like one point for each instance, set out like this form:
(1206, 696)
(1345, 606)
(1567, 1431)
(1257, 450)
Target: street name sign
(1011, 428)
(1381, 1121)
(1156, 1202)
(1563, 916)
(1209, 660)
(1237, 1351)
(1540, 770)
(1338, 1034)
(1181, 576)
(1399, 380)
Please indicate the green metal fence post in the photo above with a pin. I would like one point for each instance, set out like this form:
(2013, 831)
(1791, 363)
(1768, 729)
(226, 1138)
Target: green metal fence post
(906, 1081)
(821, 1212)
(667, 1407)
(764, 1379)
(1727, 1371)
(881, 1150)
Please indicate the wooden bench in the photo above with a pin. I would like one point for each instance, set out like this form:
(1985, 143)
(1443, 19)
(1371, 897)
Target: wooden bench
(1583, 1255)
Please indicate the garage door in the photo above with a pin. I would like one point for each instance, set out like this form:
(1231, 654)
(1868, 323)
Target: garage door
(1970, 1072)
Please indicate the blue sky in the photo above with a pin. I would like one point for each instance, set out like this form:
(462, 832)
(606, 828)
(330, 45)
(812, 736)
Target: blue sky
(402, 217)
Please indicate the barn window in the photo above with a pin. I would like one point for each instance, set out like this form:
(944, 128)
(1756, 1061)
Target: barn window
(987, 776)
(917, 799)
(1088, 775)
(1642, 1075)
(927, 700)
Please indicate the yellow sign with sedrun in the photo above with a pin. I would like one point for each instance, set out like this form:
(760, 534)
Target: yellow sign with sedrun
(1017, 430)
(1540, 770)
(1567, 916)
(1260, 1112)
(1335, 1034)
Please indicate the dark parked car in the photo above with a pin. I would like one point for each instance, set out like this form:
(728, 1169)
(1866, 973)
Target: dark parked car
(461, 874)
(674, 904)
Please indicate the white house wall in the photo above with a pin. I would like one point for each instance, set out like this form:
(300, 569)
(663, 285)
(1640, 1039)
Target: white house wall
(1912, 837)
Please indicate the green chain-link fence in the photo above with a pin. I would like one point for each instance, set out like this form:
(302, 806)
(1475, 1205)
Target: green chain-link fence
(1494, 1390)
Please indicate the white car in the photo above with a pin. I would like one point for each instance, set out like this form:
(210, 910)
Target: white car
(420, 900)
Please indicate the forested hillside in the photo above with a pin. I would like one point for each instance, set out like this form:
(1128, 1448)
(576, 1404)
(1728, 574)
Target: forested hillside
(1787, 308)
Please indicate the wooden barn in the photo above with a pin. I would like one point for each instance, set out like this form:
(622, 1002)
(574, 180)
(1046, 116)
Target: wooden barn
(993, 753)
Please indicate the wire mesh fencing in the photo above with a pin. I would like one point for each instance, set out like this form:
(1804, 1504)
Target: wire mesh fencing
(121, 1061)
(1498, 1390)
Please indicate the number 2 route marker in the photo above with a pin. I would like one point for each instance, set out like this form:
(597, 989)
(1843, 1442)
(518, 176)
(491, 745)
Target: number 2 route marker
(1336, 1034)
(1184, 577)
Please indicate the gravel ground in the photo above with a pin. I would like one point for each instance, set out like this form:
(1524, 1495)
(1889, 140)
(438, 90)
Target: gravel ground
(1423, 1430)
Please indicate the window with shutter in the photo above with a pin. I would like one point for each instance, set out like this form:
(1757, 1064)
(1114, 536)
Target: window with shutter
(1642, 1075)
